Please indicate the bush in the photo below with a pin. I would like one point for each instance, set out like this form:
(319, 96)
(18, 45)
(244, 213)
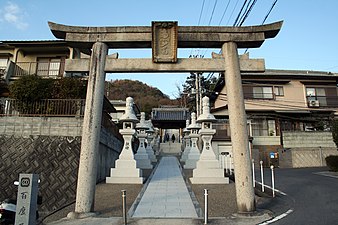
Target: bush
(332, 162)
(31, 88)
(334, 129)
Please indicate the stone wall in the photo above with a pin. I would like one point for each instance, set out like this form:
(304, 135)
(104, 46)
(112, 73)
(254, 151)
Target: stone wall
(47, 126)
(306, 149)
(54, 157)
(308, 140)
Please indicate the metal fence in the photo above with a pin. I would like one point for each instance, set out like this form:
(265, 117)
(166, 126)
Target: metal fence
(46, 107)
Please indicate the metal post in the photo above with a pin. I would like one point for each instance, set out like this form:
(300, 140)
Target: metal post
(273, 181)
(226, 163)
(321, 155)
(205, 206)
(253, 173)
(230, 165)
(262, 175)
(124, 207)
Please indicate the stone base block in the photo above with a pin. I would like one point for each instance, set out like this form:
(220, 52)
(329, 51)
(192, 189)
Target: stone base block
(209, 180)
(141, 156)
(207, 164)
(190, 164)
(208, 172)
(144, 164)
(125, 163)
(124, 180)
(125, 172)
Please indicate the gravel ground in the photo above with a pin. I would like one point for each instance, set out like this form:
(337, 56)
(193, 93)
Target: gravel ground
(108, 198)
(221, 197)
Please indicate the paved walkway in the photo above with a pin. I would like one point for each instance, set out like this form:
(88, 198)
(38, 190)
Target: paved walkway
(166, 195)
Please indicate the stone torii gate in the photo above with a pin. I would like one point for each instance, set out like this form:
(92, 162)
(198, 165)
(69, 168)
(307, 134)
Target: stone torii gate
(164, 38)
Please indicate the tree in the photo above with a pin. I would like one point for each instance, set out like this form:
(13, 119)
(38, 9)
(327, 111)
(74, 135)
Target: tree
(70, 88)
(189, 88)
(146, 97)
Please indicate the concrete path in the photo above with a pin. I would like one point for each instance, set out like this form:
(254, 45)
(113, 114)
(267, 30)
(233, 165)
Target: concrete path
(166, 195)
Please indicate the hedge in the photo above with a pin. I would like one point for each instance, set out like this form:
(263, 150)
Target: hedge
(332, 162)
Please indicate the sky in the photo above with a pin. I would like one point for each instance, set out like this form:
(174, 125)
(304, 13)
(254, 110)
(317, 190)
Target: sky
(307, 40)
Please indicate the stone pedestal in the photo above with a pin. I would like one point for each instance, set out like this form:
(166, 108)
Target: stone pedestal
(207, 169)
(141, 157)
(187, 148)
(194, 153)
(149, 149)
(126, 170)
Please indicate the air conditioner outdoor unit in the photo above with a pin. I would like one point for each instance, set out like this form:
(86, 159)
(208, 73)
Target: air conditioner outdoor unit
(313, 103)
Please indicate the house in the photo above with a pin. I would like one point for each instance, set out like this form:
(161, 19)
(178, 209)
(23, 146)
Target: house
(282, 101)
(44, 58)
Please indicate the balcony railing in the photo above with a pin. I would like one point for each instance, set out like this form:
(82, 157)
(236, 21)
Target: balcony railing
(43, 69)
(322, 101)
(47, 107)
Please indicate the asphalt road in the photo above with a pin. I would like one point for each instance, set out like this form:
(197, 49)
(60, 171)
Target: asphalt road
(312, 197)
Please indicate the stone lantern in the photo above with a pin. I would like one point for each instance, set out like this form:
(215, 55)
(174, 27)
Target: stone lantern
(141, 156)
(125, 170)
(150, 136)
(207, 169)
(187, 147)
(194, 153)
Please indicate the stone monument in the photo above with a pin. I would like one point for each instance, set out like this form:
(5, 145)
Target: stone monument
(207, 169)
(194, 153)
(141, 157)
(125, 170)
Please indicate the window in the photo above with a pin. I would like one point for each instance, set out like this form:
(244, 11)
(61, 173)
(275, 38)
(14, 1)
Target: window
(278, 90)
(262, 92)
(49, 67)
(263, 127)
(316, 94)
(3, 63)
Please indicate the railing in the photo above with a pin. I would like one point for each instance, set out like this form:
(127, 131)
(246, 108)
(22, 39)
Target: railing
(322, 101)
(47, 107)
(43, 69)
(260, 96)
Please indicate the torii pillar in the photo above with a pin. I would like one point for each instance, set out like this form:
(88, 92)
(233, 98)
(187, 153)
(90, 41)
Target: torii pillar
(91, 130)
(239, 135)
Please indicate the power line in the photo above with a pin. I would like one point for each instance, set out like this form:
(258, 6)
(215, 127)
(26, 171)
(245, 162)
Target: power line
(240, 12)
(213, 11)
(232, 12)
(226, 8)
(267, 15)
(248, 12)
(199, 20)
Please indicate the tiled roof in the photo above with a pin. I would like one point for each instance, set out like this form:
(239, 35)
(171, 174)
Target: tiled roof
(170, 114)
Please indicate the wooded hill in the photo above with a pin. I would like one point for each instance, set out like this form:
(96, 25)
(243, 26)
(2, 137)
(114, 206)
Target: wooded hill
(146, 97)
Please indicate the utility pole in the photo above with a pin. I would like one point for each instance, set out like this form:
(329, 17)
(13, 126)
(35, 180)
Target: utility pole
(197, 94)
(198, 88)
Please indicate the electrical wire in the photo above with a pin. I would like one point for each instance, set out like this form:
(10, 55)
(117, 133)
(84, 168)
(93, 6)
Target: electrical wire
(239, 14)
(232, 12)
(199, 20)
(226, 8)
(267, 15)
(248, 12)
(212, 13)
